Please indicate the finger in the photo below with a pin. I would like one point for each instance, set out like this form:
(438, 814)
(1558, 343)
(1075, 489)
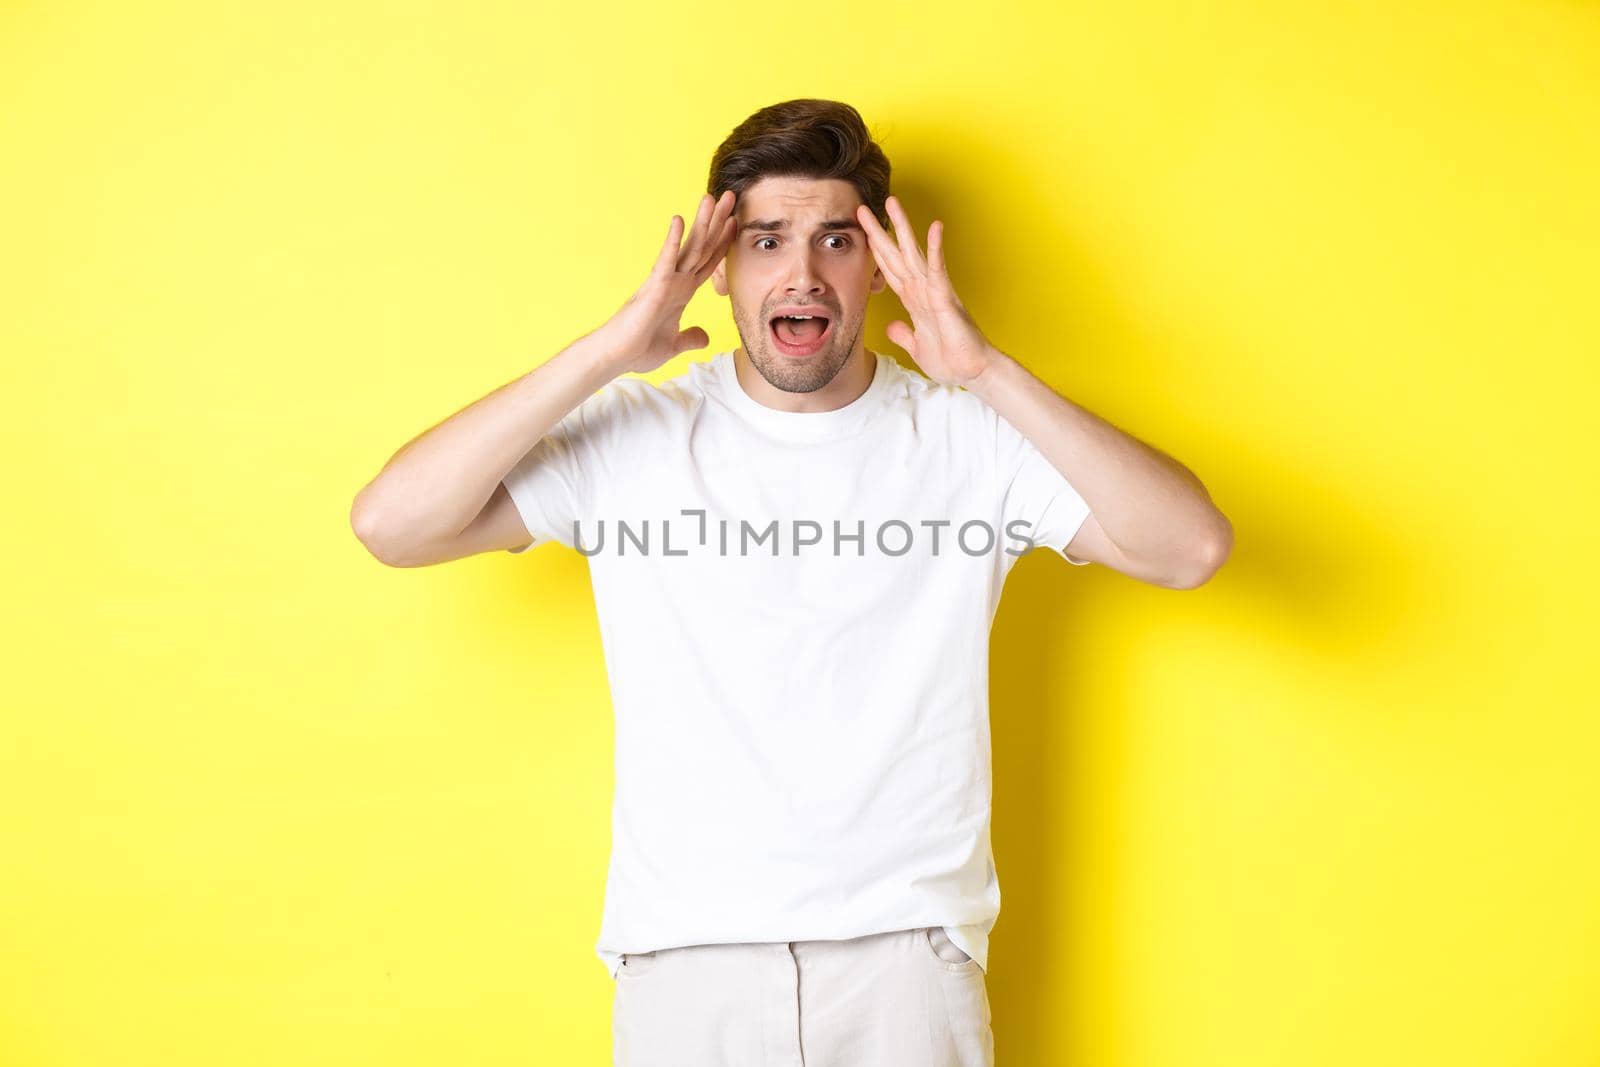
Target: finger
(714, 241)
(669, 250)
(712, 231)
(691, 251)
(936, 247)
(896, 282)
(877, 236)
(882, 247)
(906, 235)
(719, 232)
(724, 208)
(717, 210)
(717, 251)
(885, 262)
(689, 340)
(902, 335)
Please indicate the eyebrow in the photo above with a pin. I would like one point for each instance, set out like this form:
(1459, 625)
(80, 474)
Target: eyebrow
(764, 225)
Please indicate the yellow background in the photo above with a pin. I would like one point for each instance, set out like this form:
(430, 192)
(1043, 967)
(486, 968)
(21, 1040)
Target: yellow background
(267, 801)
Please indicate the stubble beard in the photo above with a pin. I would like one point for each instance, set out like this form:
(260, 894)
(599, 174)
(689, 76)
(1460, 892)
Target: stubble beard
(800, 376)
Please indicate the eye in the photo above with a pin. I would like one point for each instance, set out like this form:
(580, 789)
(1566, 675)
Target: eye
(838, 237)
(761, 239)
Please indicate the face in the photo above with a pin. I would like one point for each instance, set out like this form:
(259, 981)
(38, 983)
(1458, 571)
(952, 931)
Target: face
(798, 245)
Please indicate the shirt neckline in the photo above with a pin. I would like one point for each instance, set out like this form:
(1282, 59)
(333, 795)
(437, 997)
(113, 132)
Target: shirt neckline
(803, 425)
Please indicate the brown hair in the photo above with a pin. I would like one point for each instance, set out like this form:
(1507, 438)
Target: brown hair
(803, 138)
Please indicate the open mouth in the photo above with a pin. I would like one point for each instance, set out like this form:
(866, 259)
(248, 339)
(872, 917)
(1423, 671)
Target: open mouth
(799, 336)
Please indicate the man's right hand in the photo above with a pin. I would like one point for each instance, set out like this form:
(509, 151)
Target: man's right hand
(440, 497)
(644, 333)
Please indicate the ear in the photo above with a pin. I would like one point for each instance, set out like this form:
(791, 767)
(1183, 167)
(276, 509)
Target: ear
(878, 282)
(719, 277)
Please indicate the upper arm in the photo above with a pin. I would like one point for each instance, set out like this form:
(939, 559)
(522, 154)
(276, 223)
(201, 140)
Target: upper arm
(552, 486)
(1059, 517)
(1091, 545)
(496, 528)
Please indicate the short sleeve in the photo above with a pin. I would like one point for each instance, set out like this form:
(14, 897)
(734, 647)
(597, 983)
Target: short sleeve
(554, 486)
(1033, 491)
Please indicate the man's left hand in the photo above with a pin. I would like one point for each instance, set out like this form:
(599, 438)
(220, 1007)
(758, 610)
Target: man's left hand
(942, 338)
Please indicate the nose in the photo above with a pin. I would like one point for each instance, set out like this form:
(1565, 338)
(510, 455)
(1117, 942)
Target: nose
(803, 278)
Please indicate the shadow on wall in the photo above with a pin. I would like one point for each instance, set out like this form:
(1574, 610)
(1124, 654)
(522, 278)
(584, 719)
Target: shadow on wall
(1325, 584)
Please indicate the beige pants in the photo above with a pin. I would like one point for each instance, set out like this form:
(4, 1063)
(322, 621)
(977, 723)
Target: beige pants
(908, 998)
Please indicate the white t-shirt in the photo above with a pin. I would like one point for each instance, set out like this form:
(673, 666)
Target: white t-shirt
(802, 722)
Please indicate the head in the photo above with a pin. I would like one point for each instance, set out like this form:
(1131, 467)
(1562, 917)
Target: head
(799, 170)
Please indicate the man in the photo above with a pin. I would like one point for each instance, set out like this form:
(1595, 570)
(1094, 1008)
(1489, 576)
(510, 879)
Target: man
(797, 549)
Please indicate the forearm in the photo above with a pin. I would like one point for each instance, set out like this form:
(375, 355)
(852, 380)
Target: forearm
(439, 481)
(1152, 507)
